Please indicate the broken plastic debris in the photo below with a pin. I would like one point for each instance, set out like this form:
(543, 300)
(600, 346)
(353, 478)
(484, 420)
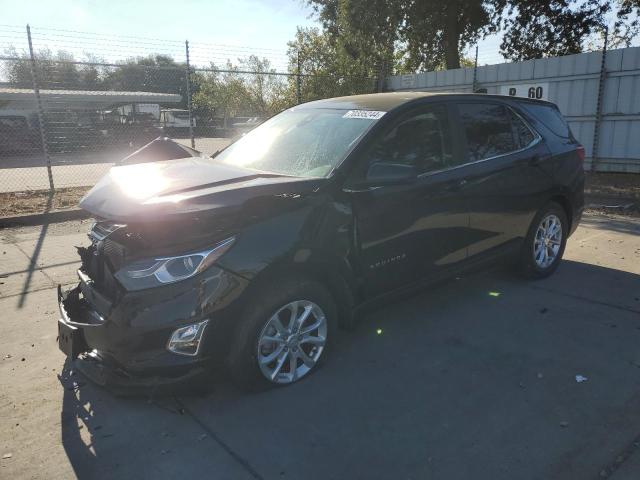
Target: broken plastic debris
(580, 379)
(7, 455)
(379, 331)
(494, 294)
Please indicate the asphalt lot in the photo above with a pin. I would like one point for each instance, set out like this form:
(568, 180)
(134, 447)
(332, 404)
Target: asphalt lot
(472, 379)
(77, 169)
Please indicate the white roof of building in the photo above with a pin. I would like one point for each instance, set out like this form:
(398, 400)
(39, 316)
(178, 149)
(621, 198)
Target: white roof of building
(86, 98)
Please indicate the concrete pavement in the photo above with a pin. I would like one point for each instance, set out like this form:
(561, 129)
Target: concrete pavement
(472, 379)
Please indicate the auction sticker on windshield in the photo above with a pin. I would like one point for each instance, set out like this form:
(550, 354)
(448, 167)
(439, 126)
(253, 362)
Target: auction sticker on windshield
(366, 114)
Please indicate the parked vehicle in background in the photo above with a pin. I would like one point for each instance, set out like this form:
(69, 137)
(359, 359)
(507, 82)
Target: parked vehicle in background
(16, 136)
(251, 260)
(175, 121)
(242, 125)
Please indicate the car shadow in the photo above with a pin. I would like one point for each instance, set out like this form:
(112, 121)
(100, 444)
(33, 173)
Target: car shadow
(470, 379)
(84, 437)
(105, 436)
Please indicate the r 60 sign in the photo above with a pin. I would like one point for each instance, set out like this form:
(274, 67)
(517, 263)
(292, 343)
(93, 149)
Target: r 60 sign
(538, 91)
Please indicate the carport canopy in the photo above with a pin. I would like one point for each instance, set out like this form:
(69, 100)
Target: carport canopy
(24, 98)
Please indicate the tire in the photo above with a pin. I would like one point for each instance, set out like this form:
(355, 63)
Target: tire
(535, 266)
(257, 322)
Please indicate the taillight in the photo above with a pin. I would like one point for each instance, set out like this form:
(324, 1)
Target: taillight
(580, 152)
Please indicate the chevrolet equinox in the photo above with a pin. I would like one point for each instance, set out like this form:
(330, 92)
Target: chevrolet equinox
(251, 259)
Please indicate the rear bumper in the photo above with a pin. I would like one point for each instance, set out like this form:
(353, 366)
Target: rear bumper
(122, 345)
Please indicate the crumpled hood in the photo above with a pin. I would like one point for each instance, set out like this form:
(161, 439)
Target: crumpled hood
(147, 191)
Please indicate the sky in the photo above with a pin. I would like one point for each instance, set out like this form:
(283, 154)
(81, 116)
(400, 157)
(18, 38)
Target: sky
(265, 26)
(269, 23)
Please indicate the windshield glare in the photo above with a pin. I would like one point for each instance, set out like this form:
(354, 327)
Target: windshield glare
(299, 142)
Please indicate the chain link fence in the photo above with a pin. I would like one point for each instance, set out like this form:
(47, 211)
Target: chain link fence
(72, 103)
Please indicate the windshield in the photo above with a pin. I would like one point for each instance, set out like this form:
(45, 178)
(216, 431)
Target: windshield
(299, 142)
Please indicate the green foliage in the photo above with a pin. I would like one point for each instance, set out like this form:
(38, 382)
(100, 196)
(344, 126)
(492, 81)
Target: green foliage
(406, 35)
(53, 70)
(626, 26)
(155, 73)
(409, 36)
(327, 68)
(435, 32)
(227, 92)
(546, 28)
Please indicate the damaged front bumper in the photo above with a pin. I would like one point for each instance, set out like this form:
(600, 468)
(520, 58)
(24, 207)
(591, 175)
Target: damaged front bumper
(122, 345)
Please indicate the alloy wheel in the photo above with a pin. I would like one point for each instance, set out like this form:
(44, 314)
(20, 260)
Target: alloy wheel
(547, 241)
(292, 341)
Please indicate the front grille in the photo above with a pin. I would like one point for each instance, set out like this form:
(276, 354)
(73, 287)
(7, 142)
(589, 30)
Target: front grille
(100, 230)
(103, 258)
(97, 268)
(114, 253)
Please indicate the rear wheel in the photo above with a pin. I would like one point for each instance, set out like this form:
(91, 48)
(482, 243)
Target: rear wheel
(545, 242)
(285, 334)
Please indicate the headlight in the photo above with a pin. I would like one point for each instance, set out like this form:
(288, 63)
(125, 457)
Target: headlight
(158, 271)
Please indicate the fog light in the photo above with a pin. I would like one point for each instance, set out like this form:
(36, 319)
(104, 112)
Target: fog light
(186, 340)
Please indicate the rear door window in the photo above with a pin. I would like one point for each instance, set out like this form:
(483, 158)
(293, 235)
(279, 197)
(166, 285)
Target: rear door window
(492, 130)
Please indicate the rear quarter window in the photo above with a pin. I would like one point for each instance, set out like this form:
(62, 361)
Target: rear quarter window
(492, 130)
(550, 117)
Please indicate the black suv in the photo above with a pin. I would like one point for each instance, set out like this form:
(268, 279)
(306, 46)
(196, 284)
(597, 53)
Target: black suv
(250, 260)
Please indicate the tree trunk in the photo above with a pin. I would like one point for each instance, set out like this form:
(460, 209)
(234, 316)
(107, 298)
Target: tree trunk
(452, 36)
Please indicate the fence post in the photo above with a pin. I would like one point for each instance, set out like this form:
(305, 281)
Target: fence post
(474, 86)
(36, 91)
(188, 80)
(381, 75)
(299, 81)
(598, 119)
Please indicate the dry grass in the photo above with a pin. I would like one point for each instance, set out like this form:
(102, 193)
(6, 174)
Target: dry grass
(617, 185)
(40, 201)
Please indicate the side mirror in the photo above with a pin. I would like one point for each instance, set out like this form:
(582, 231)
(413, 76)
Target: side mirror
(386, 173)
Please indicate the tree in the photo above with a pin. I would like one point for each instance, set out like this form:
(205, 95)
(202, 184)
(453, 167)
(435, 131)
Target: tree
(541, 28)
(626, 27)
(435, 33)
(266, 92)
(227, 92)
(154, 73)
(327, 68)
(362, 32)
(418, 35)
(55, 71)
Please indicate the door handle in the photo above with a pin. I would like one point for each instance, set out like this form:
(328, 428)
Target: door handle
(538, 159)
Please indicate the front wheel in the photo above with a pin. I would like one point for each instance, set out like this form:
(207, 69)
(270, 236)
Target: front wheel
(284, 336)
(545, 242)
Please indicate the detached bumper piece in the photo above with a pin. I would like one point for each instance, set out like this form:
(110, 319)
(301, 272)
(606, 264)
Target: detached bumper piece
(71, 339)
(102, 372)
